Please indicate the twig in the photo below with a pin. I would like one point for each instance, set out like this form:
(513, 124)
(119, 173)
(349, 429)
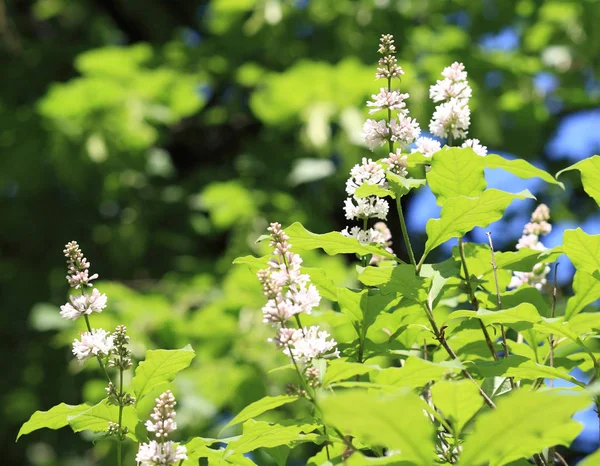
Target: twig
(439, 336)
(552, 450)
(474, 301)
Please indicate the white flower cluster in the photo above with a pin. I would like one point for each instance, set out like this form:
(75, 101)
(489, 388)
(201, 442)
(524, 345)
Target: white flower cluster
(83, 304)
(97, 342)
(163, 452)
(476, 146)
(290, 293)
(402, 129)
(426, 146)
(368, 172)
(452, 117)
(531, 239)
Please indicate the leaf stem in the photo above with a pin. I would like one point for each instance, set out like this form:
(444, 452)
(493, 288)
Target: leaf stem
(89, 327)
(439, 336)
(474, 301)
(409, 249)
(552, 450)
(120, 439)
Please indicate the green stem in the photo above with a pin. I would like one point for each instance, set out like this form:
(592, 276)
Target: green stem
(474, 301)
(411, 255)
(119, 440)
(89, 327)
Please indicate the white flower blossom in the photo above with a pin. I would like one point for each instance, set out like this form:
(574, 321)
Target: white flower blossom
(392, 100)
(455, 72)
(447, 89)
(476, 146)
(426, 146)
(154, 453)
(404, 130)
(288, 291)
(83, 304)
(397, 163)
(365, 237)
(375, 133)
(163, 416)
(309, 343)
(368, 172)
(451, 118)
(366, 207)
(531, 239)
(95, 343)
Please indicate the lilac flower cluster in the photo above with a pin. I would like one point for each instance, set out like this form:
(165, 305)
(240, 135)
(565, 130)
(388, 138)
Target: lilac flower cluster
(96, 342)
(530, 239)
(289, 293)
(161, 452)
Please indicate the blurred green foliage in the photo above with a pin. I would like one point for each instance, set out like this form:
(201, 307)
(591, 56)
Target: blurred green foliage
(164, 136)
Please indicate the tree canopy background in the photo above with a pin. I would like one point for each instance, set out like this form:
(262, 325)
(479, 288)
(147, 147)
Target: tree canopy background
(165, 136)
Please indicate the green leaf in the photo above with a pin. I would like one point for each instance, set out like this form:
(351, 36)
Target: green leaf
(96, 418)
(160, 367)
(458, 401)
(394, 421)
(54, 418)
(461, 214)
(265, 435)
(402, 279)
(456, 172)
(254, 263)
(520, 168)
(363, 306)
(523, 313)
(259, 407)
(416, 372)
(401, 185)
(524, 423)
(583, 250)
(332, 243)
(342, 370)
(591, 460)
(590, 174)
(521, 368)
(322, 282)
(586, 289)
(366, 190)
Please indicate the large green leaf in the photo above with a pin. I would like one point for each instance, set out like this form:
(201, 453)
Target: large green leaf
(54, 418)
(591, 460)
(402, 280)
(160, 368)
(586, 289)
(523, 313)
(521, 368)
(96, 418)
(416, 372)
(342, 370)
(366, 190)
(583, 250)
(519, 167)
(363, 306)
(456, 172)
(332, 243)
(461, 214)
(590, 174)
(524, 423)
(264, 435)
(259, 407)
(458, 401)
(395, 421)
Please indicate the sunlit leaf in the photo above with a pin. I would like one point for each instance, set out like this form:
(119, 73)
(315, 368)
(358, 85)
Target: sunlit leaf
(590, 174)
(524, 423)
(160, 367)
(583, 250)
(461, 214)
(396, 421)
(54, 418)
(259, 407)
(458, 401)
